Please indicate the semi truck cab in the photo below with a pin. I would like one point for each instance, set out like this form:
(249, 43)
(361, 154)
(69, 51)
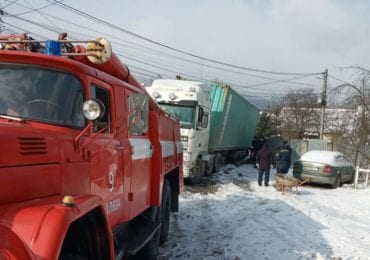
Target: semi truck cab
(190, 103)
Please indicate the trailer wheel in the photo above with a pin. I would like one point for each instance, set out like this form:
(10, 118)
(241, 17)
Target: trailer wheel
(165, 212)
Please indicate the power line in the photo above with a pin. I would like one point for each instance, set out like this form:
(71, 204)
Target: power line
(22, 30)
(161, 68)
(276, 81)
(101, 21)
(11, 2)
(203, 79)
(177, 57)
(34, 9)
(330, 76)
(33, 22)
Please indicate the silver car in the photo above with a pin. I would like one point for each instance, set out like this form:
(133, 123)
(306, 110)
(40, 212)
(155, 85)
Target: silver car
(326, 167)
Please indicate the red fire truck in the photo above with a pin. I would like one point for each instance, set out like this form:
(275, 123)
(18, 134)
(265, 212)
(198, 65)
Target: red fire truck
(90, 166)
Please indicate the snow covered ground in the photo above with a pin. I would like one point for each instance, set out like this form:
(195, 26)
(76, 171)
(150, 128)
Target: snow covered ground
(234, 218)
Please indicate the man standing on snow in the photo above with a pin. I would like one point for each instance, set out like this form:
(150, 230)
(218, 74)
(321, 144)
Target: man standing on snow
(283, 158)
(256, 145)
(264, 160)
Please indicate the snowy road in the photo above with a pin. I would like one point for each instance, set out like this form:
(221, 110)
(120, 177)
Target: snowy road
(233, 218)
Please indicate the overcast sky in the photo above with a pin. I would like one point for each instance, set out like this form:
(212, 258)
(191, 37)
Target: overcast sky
(284, 36)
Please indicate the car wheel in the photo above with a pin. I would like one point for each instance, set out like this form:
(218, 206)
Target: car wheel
(337, 182)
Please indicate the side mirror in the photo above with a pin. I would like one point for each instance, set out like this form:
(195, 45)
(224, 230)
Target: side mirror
(205, 120)
(93, 109)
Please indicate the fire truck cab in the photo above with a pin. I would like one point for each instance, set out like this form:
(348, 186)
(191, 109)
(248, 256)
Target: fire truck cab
(90, 166)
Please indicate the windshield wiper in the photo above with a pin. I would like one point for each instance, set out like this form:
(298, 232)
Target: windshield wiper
(15, 118)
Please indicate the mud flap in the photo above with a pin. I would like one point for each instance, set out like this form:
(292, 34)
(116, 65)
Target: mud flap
(132, 238)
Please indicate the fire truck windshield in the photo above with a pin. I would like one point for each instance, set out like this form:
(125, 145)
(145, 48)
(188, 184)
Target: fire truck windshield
(41, 94)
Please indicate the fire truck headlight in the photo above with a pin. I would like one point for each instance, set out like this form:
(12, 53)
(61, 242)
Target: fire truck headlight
(93, 109)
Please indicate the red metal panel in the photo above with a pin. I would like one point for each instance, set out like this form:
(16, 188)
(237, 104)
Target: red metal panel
(140, 186)
(157, 176)
(11, 247)
(28, 221)
(75, 178)
(29, 182)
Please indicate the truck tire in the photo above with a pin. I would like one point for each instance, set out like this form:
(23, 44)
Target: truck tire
(218, 162)
(165, 212)
(210, 169)
(198, 171)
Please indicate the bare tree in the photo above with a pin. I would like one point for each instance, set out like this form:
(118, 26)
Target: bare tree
(299, 114)
(356, 136)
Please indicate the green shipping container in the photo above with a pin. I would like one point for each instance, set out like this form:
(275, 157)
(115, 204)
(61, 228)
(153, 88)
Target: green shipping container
(233, 120)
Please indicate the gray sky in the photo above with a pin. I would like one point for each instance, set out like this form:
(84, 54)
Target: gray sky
(293, 36)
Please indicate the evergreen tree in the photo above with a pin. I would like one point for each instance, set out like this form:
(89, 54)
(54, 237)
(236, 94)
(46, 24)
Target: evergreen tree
(267, 125)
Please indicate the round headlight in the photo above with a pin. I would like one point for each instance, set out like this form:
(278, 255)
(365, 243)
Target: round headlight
(92, 109)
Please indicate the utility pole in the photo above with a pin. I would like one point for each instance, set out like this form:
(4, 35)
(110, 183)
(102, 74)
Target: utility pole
(323, 102)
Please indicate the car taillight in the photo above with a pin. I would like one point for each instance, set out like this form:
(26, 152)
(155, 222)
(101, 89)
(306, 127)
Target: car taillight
(327, 169)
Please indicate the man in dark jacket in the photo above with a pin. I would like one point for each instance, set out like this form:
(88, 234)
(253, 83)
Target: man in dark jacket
(264, 160)
(256, 145)
(283, 158)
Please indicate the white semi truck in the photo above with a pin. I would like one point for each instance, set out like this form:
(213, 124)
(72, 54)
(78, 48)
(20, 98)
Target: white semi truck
(217, 124)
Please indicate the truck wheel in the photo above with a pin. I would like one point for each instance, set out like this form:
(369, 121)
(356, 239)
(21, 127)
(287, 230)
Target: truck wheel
(210, 168)
(218, 162)
(198, 171)
(165, 212)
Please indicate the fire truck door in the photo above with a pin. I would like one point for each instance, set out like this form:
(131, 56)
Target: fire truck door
(141, 152)
(106, 159)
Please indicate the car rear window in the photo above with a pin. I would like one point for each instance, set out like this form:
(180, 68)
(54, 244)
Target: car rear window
(325, 157)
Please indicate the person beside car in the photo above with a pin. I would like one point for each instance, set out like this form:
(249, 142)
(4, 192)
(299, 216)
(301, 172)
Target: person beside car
(264, 159)
(283, 158)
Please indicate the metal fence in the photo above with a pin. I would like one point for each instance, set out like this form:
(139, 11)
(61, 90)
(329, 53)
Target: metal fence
(299, 146)
(361, 178)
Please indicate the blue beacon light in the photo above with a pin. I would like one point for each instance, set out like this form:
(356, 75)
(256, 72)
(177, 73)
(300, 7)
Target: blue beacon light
(53, 48)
